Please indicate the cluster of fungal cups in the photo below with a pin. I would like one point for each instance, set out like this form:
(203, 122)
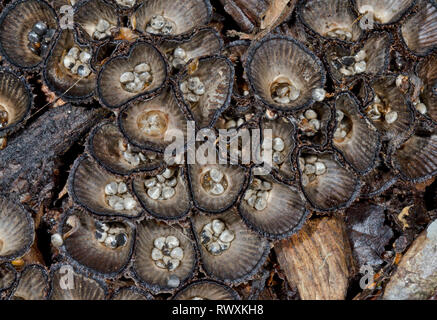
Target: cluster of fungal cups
(216, 237)
(193, 89)
(311, 167)
(162, 187)
(118, 197)
(77, 61)
(182, 216)
(136, 80)
(39, 38)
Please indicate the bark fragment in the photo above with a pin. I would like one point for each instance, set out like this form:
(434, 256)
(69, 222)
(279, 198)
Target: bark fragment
(28, 163)
(416, 276)
(318, 260)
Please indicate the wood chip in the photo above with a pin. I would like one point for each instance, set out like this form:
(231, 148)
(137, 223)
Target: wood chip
(318, 260)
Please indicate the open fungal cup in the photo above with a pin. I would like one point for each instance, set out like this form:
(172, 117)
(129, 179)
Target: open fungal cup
(419, 31)
(390, 111)
(165, 257)
(111, 149)
(371, 59)
(284, 74)
(67, 71)
(206, 87)
(351, 127)
(27, 28)
(169, 18)
(205, 42)
(16, 230)
(230, 251)
(15, 101)
(326, 184)
(123, 78)
(165, 195)
(153, 123)
(101, 192)
(96, 20)
(382, 11)
(77, 286)
(215, 188)
(103, 247)
(331, 19)
(271, 208)
(33, 284)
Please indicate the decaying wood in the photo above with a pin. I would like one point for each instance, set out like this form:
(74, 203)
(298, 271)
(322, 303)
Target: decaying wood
(416, 276)
(28, 164)
(318, 260)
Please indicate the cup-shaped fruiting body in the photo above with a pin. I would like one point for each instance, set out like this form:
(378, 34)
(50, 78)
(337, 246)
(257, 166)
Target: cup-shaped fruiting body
(112, 151)
(271, 208)
(96, 20)
(103, 247)
(15, 101)
(153, 123)
(416, 159)
(236, 51)
(16, 230)
(284, 74)
(378, 180)
(101, 192)
(171, 18)
(382, 11)
(131, 294)
(354, 136)
(277, 153)
(331, 19)
(165, 195)
(419, 31)
(206, 290)
(215, 187)
(390, 111)
(8, 276)
(123, 78)
(70, 283)
(165, 257)
(206, 88)
(33, 284)
(27, 28)
(326, 183)
(68, 71)
(205, 42)
(313, 124)
(427, 72)
(372, 58)
(229, 250)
